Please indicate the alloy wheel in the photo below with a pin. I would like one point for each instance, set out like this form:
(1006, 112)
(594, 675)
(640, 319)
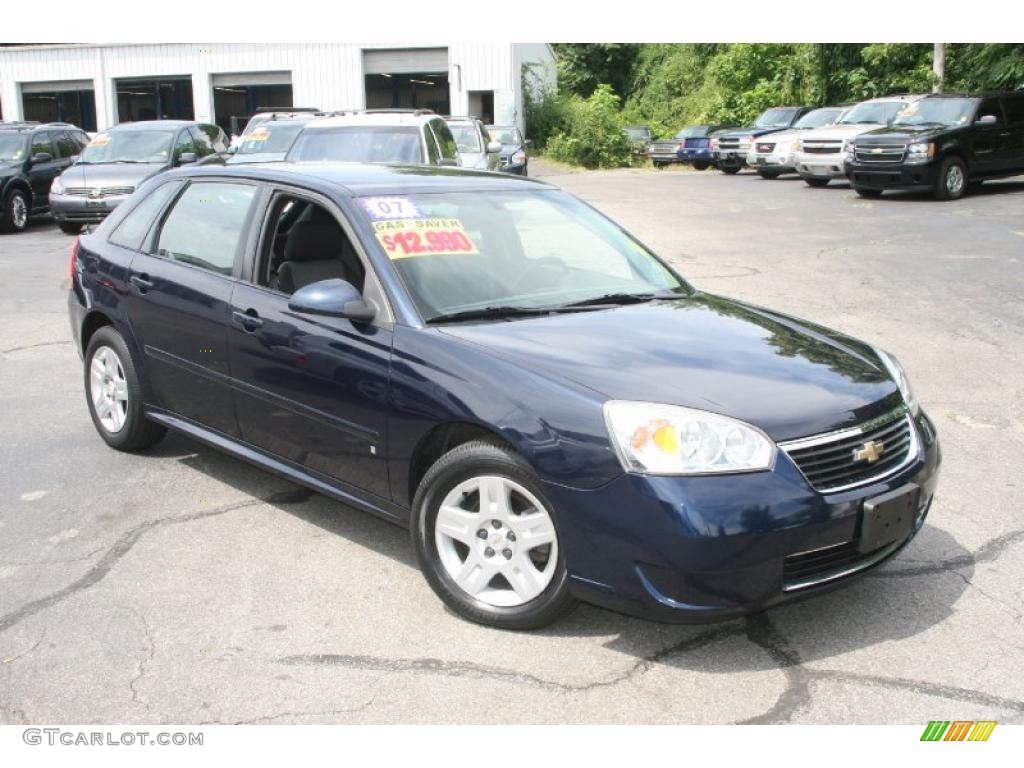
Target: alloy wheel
(19, 212)
(954, 180)
(496, 541)
(108, 389)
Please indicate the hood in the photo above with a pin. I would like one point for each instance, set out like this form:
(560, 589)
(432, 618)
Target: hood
(790, 378)
(474, 160)
(509, 149)
(7, 168)
(109, 174)
(749, 132)
(787, 134)
(840, 132)
(908, 133)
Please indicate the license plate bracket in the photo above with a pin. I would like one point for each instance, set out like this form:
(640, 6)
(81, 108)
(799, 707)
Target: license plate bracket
(888, 518)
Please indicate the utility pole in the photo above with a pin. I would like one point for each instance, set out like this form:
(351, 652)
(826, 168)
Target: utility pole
(938, 67)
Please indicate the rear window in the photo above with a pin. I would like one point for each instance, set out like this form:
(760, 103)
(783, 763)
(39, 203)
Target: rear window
(359, 144)
(693, 132)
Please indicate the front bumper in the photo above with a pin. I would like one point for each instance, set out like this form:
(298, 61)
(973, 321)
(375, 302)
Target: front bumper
(83, 210)
(821, 166)
(891, 175)
(695, 154)
(773, 161)
(709, 548)
(731, 158)
(518, 170)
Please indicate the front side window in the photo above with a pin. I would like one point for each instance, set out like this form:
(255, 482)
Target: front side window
(466, 137)
(205, 226)
(951, 112)
(203, 143)
(186, 143)
(873, 113)
(506, 134)
(458, 252)
(133, 228)
(13, 146)
(359, 144)
(1014, 109)
(990, 107)
(775, 118)
(128, 146)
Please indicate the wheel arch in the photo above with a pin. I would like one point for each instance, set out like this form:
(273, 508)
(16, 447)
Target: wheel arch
(443, 438)
(93, 321)
(19, 183)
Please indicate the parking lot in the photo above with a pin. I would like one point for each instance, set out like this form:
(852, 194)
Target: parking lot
(183, 586)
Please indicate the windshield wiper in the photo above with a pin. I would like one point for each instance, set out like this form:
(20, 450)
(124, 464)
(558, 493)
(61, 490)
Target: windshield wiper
(491, 313)
(614, 299)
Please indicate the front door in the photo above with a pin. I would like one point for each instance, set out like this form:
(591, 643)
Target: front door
(310, 389)
(181, 301)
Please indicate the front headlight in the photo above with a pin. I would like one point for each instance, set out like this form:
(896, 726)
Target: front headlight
(57, 188)
(519, 158)
(920, 153)
(656, 439)
(892, 365)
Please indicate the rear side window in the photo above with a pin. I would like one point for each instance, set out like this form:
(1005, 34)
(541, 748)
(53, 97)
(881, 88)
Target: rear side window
(66, 145)
(205, 226)
(133, 228)
(42, 142)
(449, 149)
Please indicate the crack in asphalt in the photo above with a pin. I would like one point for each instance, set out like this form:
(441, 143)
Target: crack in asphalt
(113, 554)
(278, 715)
(150, 651)
(986, 553)
(12, 350)
(797, 693)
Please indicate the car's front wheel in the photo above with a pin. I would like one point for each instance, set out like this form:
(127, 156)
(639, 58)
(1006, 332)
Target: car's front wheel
(816, 181)
(487, 540)
(868, 192)
(14, 216)
(114, 394)
(952, 179)
(700, 165)
(729, 169)
(770, 175)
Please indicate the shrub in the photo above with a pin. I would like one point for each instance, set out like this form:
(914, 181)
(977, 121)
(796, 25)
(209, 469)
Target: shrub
(593, 136)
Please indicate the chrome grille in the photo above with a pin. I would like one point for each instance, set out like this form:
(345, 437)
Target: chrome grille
(822, 147)
(95, 192)
(830, 464)
(880, 153)
(729, 143)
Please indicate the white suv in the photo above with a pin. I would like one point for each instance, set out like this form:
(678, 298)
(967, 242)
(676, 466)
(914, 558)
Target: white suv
(819, 158)
(412, 137)
(775, 153)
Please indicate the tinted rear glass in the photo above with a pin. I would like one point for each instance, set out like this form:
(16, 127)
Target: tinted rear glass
(270, 137)
(359, 144)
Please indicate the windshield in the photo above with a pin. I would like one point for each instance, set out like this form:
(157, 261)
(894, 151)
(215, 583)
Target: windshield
(13, 146)
(359, 144)
(506, 135)
(638, 133)
(775, 118)
(819, 118)
(693, 132)
(270, 137)
(466, 137)
(873, 113)
(463, 251)
(127, 146)
(936, 112)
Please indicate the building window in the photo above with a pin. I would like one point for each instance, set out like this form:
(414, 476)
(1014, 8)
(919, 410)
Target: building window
(168, 98)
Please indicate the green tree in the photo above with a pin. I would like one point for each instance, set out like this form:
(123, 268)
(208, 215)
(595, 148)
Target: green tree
(583, 66)
(594, 137)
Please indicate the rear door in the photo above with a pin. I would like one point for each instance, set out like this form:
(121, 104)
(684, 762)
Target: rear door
(1013, 107)
(990, 144)
(311, 389)
(180, 300)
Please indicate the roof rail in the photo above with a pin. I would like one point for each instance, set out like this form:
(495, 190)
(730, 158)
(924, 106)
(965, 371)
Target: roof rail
(264, 110)
(397, 111)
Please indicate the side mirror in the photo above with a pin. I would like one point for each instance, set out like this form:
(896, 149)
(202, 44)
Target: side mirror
(187, 157)
(494, 146)
(231, 150)
(332, 298)
(987, 120)
(75, 159)
(41, 157)
(528, 143)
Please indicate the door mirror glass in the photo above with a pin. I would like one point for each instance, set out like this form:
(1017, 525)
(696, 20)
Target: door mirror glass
(528, 143)
(332, 298)
(494, 146)
(187, 157)
(41, 157)
(987, 120)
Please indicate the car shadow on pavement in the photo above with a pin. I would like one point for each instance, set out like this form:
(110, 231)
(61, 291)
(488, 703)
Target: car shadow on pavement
(905, 597)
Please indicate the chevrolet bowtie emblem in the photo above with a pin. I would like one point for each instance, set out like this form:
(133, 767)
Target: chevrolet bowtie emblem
(876, 151)
(870, 452)
(95, 193)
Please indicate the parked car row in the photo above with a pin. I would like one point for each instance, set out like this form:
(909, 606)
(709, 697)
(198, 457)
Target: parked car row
(80, 180)
(946, 143)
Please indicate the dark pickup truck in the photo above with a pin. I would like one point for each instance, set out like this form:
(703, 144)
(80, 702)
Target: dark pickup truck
(730, 148)
(946, 143)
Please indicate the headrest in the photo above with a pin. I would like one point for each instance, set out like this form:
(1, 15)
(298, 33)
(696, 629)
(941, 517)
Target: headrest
(309, 241)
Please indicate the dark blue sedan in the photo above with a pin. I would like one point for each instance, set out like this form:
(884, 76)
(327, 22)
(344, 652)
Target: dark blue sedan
(551, 409)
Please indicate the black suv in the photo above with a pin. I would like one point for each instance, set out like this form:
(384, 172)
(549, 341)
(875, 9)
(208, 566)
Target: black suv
(947, 143)
(32, 155)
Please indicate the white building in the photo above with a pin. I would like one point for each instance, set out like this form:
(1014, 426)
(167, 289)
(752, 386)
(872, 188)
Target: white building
(97, 86)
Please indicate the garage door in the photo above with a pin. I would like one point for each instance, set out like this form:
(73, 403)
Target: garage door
(397, 61)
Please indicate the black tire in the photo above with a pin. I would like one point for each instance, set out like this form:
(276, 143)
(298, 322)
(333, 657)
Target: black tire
(10, 221)
(701, 165)
(867, 192)
(658, 164)
(463, 463)
(951, 180)
(816, 181)
(137, 432)
(69, 227)
(770, 175)
(729, 170)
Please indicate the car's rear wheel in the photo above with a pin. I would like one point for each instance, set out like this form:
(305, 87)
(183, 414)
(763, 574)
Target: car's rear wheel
(14, 217)
(701, 165)
(768, 174)
(951, 182)
(816, 181)
(868, 192)
(487, 540)
(114, 394)
(69, 227)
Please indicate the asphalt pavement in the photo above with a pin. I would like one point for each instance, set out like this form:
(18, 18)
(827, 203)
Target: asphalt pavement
(182, 586)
